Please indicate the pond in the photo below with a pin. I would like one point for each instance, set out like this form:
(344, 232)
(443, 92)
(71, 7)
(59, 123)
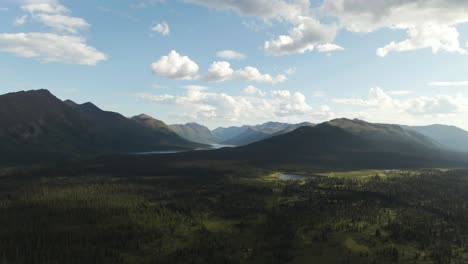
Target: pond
(294, 177)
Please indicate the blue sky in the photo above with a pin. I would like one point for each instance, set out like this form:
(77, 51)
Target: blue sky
(289, 61)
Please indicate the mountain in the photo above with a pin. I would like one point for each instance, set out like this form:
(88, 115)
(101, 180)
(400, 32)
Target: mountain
(450, 137)
(238, 136)
(344, 143)
(152, 123)
(36, 123)
(225, 133)
(292, 127)
(194, 132)
(247, 137)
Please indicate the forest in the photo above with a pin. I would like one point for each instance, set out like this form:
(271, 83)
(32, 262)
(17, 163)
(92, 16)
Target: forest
(233, 215)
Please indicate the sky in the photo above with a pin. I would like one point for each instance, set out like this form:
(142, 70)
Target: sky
(235, 62)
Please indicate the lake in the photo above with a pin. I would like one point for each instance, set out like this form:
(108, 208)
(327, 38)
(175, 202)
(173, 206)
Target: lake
(213, 146)
(294, 177)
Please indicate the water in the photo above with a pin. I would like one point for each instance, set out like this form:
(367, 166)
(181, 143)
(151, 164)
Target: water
(158, 152)
(213, 146)
(293, 177)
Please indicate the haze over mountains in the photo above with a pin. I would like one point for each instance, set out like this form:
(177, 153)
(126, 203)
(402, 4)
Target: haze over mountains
(235, 135)
(37, 124)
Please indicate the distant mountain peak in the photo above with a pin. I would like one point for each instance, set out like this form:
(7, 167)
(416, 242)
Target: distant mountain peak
(142, 116)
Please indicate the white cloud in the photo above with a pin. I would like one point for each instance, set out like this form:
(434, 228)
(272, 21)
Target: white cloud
(279, 105)
(4, 9)
(19, 21)
(219, 71)
(250, 73)
(429, 24)
(252, 90)
(266, 9)
(67, 49)
(329, 47)
(162, 28)
(49, 8)
(437, 105)
(450, 84)
(308, 35)
(435, 37)
(63, 23)
(291, 103)
(231, 55)
(175, 66)
(57, 46)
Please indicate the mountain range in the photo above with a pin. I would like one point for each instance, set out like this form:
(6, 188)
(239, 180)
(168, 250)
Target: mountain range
(233, 136)
(345, 143)
(36, 123)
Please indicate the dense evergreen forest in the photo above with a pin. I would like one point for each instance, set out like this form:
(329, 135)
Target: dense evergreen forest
(241, 215)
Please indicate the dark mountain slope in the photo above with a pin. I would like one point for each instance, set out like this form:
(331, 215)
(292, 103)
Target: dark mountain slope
(451, 137)
(225, 133)
(38, 122)
(247, 137)
(152, 123)
(344, 143)
(194, 132)
(340, 144)
(293, 127)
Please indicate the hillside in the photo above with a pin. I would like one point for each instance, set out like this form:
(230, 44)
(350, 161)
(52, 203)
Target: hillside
(226, 133)
(194, 132)
(451, 137)
(344, 143)
(247, 137)
(239, 136)
(293, 127)
(36, 123)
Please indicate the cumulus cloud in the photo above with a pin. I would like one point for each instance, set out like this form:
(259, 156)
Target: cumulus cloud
(62, 45)
(219, 71)
(67, 49)
(162, 28)
(231, 55)
(250, 73)
(437, 105)
(202, 104)
(429, 24)
(308, 35)
(175, 66)
(252, 90)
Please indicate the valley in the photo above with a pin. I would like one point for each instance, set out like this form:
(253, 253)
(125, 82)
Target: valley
(342, 191)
